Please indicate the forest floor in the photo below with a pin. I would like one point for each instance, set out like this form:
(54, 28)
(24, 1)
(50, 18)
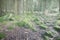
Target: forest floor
(22, 33)
(42, 32)
(19, 33)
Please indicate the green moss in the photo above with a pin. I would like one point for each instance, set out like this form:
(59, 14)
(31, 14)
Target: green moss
(2, 35)
(10, 28)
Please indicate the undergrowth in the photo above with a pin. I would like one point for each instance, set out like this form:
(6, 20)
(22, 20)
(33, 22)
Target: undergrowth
(28, 20)
(2, 35)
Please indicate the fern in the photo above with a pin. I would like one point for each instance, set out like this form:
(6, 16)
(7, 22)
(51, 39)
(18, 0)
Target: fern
(57, 28)
(49, 34)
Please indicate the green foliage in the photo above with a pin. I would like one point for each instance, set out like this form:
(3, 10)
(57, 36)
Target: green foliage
(0, 28)
(57, 28)
(36, 19)
(58, 22)
(25, 24)
(1, 19)
(43, 26)
(7, 17)
(2, 35)
(46, 37)
(21, 24)
(57, 38)
(25, 20)
(59, 18)
(40, 23)
(49, 34)
(10, 28)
